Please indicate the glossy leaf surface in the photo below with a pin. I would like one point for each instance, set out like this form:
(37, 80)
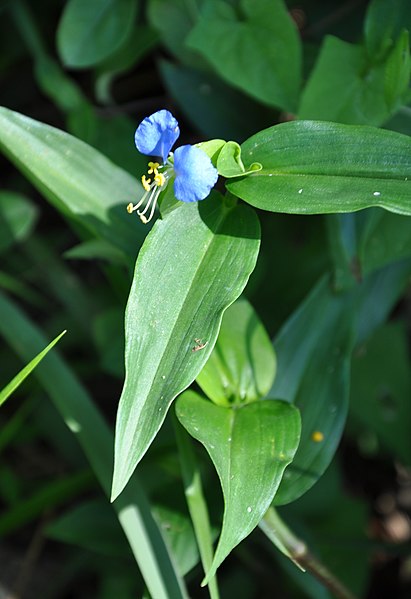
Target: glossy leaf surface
(250, 448)
(241, 367)
(207, 250)
(312, 167)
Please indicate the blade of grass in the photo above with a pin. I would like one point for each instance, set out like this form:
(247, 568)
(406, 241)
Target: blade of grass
(93, 434)
(19, 378)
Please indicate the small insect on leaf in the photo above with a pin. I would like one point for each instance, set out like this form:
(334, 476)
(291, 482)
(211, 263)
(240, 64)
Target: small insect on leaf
(199, 345)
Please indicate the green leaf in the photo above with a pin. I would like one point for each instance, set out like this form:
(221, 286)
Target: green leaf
(241, 367)
(349, 168)
(345, 87)
(75, 178)
(229, 163)
(381, 389)
(174, 19)
(139, 43)
(313, 372)
(18, 217)
(255, 47)
(19, 378)
(363, 242)
(313, 365)
(383, 22)
(379, 294)
(212, 148)
(91, 31)
(250, 448)
(388, 240)
(93, 526)
(193, 265)
(397, 72)
(95, 249)
(344, 234)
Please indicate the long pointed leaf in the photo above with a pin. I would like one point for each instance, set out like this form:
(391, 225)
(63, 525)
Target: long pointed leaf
(193, 265)
(312, 167)
(74, 177)
(24, 372)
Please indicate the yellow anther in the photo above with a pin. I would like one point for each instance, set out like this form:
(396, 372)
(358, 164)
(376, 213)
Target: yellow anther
(146, 182)
(153, 166)
(130, 208)
(317, 436)
(159, 179)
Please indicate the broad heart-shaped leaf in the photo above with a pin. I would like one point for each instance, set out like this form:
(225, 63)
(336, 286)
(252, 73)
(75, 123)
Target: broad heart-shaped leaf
(250, 447)
(91, 31)
(346, 87)
(314, 352)
(192, 266)
(75, 178)
(312, 167)
(241, 367)
(254, 46)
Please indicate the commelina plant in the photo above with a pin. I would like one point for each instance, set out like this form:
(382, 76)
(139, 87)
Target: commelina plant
(270, 436)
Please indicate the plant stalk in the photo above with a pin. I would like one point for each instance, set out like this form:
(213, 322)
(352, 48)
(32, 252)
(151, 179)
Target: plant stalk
(294, 548)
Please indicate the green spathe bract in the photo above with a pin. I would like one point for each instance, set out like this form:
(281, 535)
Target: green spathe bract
(192, 266)
(314, 167)
(241, 367)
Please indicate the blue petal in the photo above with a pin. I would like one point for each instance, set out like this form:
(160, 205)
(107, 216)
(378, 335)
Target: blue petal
(195, 174)
(156, 134)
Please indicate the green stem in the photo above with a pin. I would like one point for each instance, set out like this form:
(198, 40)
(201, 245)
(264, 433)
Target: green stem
(197, 505)
(279, 533)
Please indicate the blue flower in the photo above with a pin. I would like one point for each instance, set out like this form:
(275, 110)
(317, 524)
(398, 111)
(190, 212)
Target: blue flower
(193, 170)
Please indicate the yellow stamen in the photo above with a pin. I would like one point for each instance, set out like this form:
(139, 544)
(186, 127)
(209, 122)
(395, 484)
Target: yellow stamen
(317, 436)
(153, 189)
(145, 182)
(159, 179)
